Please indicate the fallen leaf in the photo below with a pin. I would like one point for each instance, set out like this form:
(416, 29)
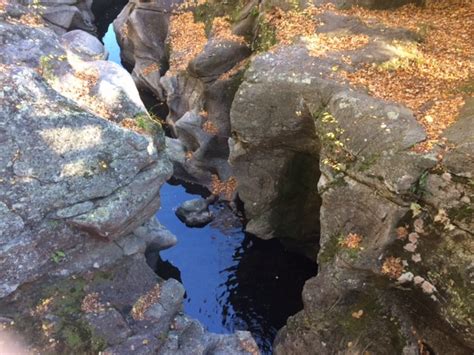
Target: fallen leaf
(416, 258)
(410, 247)
(358, 314)
(402, 233)
(415, 208)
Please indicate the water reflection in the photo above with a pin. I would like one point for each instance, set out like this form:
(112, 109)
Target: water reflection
(233, 281)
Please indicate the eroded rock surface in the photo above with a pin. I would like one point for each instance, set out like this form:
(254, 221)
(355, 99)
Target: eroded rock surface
(121, 309)
(194, 71)
(62, 169)
(382, 206)
(81, 165)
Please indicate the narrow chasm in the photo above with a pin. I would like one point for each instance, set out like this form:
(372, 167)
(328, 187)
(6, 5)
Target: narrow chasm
(233, 280)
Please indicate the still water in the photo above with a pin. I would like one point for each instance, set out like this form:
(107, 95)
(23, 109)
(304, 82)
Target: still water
(233, 280)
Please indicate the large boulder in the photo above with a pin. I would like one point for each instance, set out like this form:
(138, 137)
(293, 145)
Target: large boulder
(322, 165)
(64, 15)
(64, 169)
(142, 29)
(83, 45)
(74, 65)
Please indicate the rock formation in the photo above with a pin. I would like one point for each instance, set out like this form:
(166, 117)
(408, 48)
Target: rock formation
(204, 73)
(333, 170)
(265, 97)
(81, 165)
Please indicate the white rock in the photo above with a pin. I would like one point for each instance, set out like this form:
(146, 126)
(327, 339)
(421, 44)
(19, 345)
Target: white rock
(406, 277)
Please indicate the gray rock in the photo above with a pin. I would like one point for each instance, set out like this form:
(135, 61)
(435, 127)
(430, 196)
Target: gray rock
(69, 67)
(169, 304)
(142, 29)
(218, 57)
(190, 133)
(156, 235)
(65, 15)
(195, 213)
(460, 158)
(55, 156)
(109, 325)
(84, 45)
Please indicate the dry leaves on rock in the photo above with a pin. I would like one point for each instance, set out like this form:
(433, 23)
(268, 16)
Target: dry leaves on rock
(222, 29)
(210, 127)
(427, 77)
(225, 188)
(91, 304)
(144, 302)
(358, 314)
(351, 241)
(402, 233)
(392, 267)
(187, 39)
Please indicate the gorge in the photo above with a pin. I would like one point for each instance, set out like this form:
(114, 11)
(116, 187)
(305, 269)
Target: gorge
(319, 143)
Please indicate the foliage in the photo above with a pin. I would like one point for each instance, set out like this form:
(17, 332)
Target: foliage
(425, 76)
(58, 256)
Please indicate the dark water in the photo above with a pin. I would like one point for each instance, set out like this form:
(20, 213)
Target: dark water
(233, 280)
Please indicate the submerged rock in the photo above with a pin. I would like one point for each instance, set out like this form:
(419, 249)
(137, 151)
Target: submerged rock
(195, 213)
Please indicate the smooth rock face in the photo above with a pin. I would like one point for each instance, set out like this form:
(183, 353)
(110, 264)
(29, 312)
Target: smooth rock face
(218, 57)
(84, 45)
(142, 29)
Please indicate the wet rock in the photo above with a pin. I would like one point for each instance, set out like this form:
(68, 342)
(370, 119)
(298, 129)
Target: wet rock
(195, 213)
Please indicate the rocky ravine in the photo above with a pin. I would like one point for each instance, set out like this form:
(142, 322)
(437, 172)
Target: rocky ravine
(81, 166)
(326, 167)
